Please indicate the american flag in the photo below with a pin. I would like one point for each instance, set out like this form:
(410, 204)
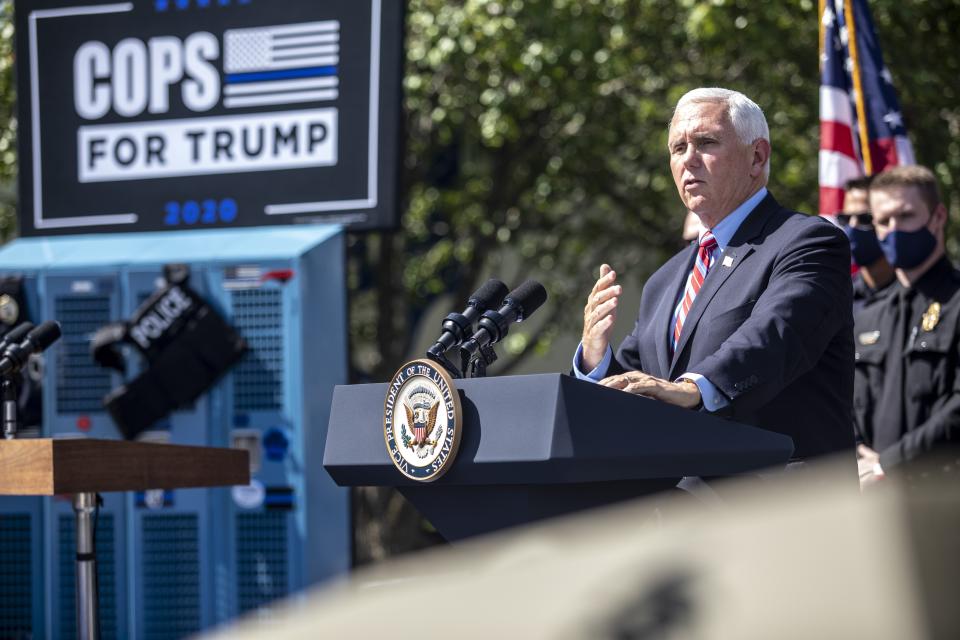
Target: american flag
(281, 64)
(861, 125)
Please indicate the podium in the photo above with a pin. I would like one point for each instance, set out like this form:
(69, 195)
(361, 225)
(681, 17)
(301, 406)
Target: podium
(86, 467)
(539, 446)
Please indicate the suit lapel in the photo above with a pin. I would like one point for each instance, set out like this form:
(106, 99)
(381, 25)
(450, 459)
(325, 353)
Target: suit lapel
(668, 304)
(737, 251)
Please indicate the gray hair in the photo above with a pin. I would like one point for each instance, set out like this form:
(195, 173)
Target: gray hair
(747, 118)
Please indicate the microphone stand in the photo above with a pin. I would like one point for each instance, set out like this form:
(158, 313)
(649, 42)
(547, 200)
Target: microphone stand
(477, 365)
(444, 362)
(86, 505)
(9, 386)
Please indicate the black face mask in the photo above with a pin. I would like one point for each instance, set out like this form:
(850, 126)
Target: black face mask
(864, 245)
(908, 249)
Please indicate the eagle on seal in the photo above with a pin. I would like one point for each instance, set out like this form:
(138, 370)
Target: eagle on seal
(422, 420)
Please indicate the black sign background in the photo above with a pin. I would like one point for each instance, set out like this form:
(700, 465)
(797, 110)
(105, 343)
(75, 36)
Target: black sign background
(358, 190)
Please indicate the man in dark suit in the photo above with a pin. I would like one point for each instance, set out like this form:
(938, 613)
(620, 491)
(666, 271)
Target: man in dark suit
(754, 321)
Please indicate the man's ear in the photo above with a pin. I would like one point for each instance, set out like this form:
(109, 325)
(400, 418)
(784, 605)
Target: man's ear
(938, 220)
(761, 156)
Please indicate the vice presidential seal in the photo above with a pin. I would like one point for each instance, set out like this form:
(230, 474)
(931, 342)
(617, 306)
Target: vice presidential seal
(422, 420)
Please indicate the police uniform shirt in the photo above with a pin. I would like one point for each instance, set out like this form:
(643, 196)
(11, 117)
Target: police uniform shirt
(907, 382)
(864, 295)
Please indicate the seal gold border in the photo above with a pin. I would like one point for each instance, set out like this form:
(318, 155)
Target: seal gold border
(457, 421)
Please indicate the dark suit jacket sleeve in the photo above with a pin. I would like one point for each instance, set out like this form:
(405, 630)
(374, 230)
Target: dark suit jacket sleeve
(806, 302)
(627, 356)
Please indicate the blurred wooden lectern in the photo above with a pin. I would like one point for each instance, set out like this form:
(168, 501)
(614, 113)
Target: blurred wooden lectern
(86, 467)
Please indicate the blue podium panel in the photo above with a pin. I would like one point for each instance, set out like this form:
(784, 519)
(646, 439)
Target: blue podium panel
(170, 583)
(74, 388)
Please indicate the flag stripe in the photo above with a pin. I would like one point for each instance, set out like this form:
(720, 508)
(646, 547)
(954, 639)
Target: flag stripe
(281, 75)
(300, 62)
(304, 28)
(835, 105)
(836, 169)
(280, 98)
(274, 86)
(904, 150)
(299, 41)
(837, 137)
(831, 199)
(304, 50)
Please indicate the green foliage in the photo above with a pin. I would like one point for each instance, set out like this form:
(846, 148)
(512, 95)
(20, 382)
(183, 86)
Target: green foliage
(8, 124)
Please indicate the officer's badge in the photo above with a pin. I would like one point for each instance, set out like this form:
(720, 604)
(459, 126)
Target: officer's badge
(9, 309)
(422, 420)
(868, 338)
(931, 317)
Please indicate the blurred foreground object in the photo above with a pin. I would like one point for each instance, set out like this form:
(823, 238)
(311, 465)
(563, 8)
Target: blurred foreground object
(790, 558)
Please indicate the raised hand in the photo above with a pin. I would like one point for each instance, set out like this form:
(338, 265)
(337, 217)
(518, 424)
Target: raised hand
(598, 317)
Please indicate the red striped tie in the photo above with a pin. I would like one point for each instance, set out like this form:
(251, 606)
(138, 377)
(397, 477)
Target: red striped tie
(697, 275)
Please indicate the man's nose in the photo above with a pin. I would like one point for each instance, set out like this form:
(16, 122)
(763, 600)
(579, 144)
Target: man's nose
(883, 232)
(690, 156)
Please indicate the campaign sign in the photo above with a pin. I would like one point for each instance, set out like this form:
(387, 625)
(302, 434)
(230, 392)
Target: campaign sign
(181, 114)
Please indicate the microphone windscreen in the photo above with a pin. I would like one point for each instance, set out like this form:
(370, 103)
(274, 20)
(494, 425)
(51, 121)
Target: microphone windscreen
(489, 295)
(44, 335)
(528, 297)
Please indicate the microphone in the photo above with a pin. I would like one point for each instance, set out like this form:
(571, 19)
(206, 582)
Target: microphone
(517, 306)
(456, 326)
(15, 335)
(38, 339)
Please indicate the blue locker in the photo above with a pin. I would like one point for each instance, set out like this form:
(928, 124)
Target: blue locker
(291, 528)
(22, 585)
(21, 568)
(170, 532)
(82, 301)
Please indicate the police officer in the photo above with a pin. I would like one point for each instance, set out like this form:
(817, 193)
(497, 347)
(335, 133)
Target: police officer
(875, 279)
(907, 381)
